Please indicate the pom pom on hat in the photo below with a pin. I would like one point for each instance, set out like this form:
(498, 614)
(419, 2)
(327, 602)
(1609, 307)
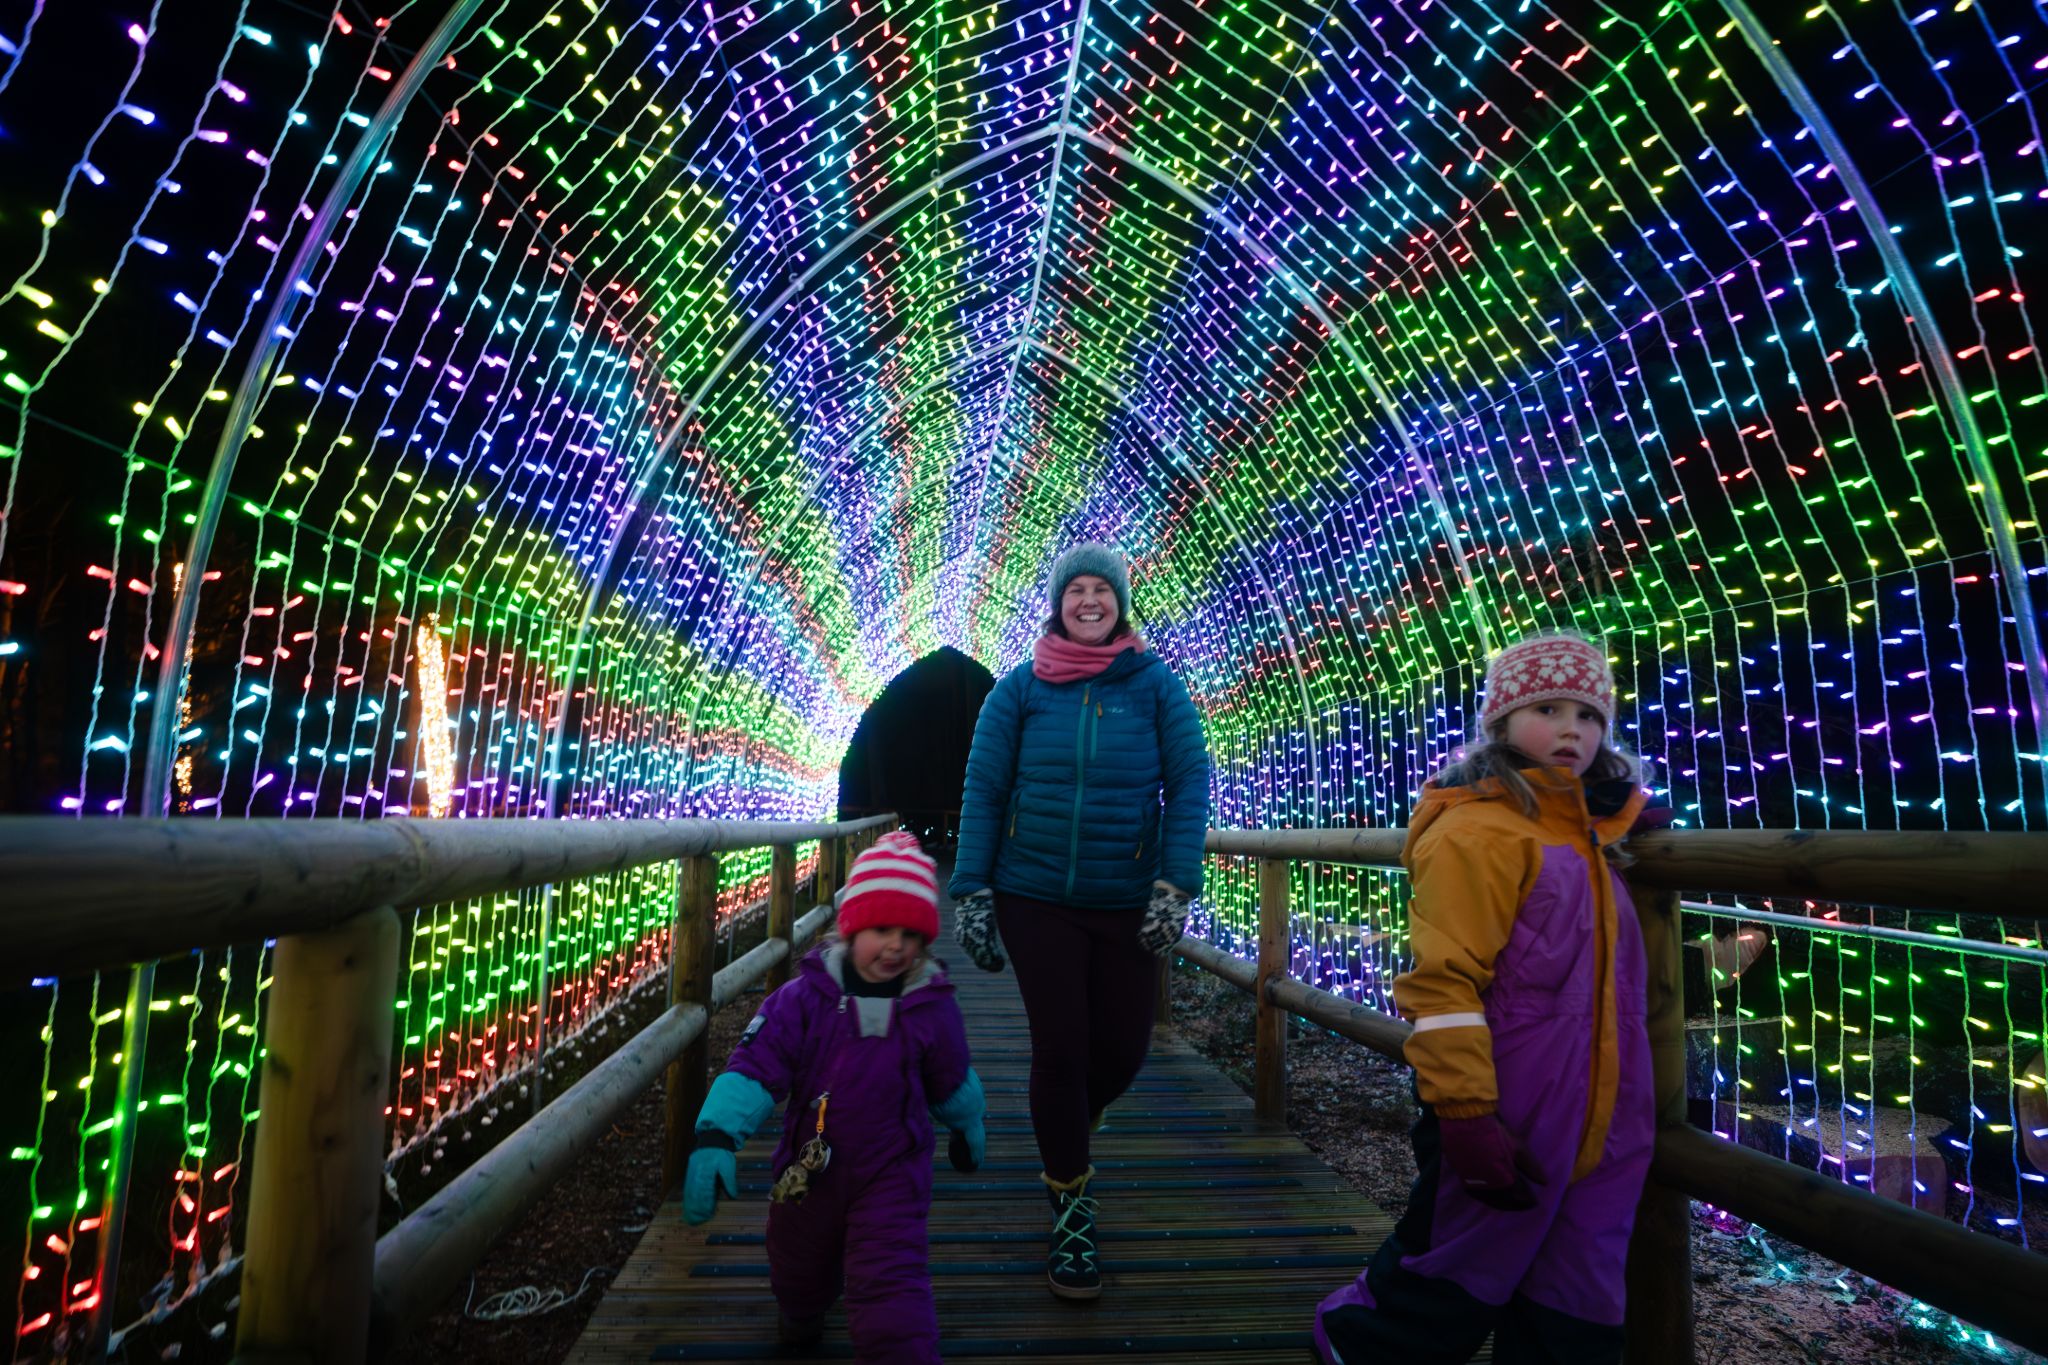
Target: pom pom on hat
(893, 885)
(1548, 668)
(1091, 558)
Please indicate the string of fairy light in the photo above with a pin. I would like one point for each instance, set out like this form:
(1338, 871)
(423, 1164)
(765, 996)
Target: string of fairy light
(681, 375)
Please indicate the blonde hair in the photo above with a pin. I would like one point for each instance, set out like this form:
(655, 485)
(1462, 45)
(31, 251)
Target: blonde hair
(1495, 758)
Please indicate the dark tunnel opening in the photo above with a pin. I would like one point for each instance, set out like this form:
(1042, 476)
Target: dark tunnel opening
(909, 753)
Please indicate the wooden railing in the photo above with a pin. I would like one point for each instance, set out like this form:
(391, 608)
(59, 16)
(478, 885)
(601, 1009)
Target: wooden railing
(1978, 1278)
(318, 1285)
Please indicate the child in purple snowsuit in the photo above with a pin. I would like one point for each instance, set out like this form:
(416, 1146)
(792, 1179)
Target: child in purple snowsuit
(868, 1045)
(1530, 1052)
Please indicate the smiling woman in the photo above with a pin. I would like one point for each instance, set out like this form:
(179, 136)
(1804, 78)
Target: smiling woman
(1081, 832)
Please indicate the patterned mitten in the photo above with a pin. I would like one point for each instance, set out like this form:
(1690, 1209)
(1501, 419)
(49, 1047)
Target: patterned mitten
(1166, 919)
(975, 931)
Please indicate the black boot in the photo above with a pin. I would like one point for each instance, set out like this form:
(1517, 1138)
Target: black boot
(799, 1334)
(1070, 1264)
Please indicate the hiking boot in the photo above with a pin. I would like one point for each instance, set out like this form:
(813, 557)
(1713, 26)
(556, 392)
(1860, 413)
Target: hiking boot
(799, 1332)
(1070, 1264)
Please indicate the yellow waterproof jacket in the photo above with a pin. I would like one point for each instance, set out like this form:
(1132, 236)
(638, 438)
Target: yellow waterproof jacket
(1515, 924)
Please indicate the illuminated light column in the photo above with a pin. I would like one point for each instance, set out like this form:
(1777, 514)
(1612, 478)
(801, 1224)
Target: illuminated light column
(433, 756)
(181, 769)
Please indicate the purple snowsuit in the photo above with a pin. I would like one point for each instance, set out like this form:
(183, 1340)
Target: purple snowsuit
(862, 1226)
(1528, 997)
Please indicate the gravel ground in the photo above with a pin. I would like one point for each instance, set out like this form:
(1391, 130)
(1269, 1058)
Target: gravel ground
(582, 1231)
(1757, 1301)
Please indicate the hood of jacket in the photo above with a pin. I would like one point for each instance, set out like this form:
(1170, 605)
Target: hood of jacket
(823, 969)
(1566, 807)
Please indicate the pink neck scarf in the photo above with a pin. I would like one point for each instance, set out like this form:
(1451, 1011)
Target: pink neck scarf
(1057, 659)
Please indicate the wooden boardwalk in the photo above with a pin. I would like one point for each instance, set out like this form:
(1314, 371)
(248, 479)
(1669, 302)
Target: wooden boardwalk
(1220, 1233)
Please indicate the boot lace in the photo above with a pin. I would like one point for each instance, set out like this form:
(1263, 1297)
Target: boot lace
(1074, 1230)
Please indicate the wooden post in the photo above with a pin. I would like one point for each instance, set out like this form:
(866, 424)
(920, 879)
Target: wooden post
(1659, 1322)
(319, 1160)
(821, 881)
(782, 908)
(1162, 1004)
(1269, 1062)
(689, 983)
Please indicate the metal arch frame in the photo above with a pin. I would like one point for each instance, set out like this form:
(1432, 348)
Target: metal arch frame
(1454, 540)
(1948, 380)
(160, 753)
(1165, 441)
(1063, 129)
(1160, 436)
(753, 574)
(1052, 198)
(580, 645)
(1174, 449)
(831, 258)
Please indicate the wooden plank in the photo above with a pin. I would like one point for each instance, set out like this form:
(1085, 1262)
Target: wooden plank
(1269, 1055)
(1659, 1324)
(211, 883)
(689, 983)
(1922, 870)
(312, 1236)
(1220, 1233)
(782, 908)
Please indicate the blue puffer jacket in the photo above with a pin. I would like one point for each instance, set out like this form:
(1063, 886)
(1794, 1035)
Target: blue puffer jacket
(1065, 784)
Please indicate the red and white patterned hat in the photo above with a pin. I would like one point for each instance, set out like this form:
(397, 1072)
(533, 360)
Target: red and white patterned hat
(893, 885)
(1548, 668)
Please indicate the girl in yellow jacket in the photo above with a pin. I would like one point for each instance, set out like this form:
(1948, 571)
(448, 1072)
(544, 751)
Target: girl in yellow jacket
(1530, 1054)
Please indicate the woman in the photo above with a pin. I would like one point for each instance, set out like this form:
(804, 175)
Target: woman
(1081, 835)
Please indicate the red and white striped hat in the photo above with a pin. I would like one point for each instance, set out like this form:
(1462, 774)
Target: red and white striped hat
(893, 885)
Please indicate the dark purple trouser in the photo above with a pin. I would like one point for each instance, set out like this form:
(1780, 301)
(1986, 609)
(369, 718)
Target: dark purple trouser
(1548, 1282)
(1088, 991)
(869, 1241)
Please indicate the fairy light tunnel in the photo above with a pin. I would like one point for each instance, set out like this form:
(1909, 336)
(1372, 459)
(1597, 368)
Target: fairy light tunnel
(673, 376)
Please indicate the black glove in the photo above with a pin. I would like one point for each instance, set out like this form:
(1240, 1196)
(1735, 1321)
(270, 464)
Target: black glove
(1166, 919)
(975, 930)
(967, 1146)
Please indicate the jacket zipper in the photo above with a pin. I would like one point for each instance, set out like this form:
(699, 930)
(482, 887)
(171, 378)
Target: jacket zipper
(1080, 790)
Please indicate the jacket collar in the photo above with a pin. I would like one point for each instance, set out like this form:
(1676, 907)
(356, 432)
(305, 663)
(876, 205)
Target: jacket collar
(822, 968)
(1566, 806)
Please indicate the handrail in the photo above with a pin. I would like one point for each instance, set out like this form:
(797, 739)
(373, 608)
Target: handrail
(105, 893)
(217, 882)
(332, 883)
(1969, 872)
(1973, 1275)
(321, 1281)
(211, 883)
(422, 1260)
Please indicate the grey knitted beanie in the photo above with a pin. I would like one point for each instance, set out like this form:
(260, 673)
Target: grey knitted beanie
(1090, 558)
